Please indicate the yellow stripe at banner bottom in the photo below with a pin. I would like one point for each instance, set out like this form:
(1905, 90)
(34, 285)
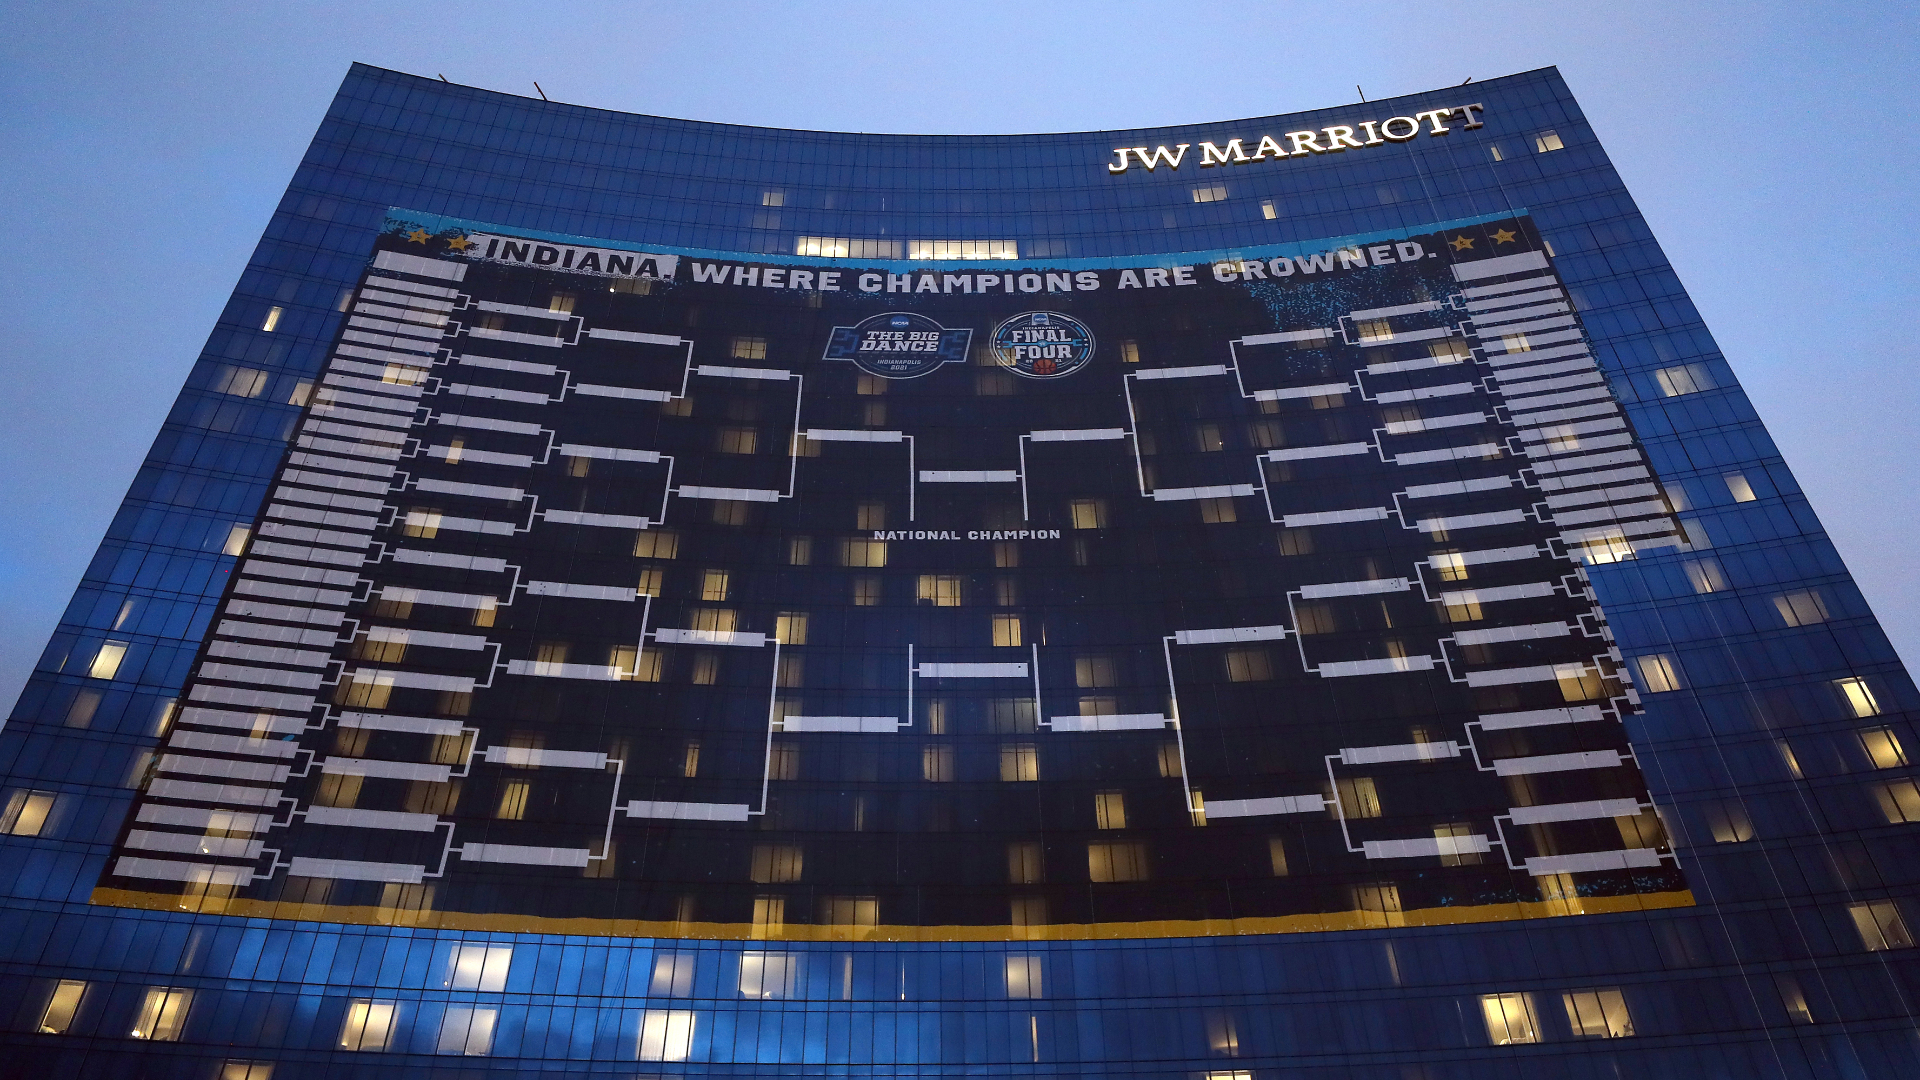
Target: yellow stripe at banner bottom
(1319, 922)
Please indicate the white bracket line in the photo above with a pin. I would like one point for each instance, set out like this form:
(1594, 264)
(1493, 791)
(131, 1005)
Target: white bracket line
(861, 435)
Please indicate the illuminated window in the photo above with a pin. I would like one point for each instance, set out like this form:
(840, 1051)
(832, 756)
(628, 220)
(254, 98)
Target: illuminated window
(1467, 611)
(866, 592)
(1129, 351)
(1516, 343)
(1294, 541)
(57, 1017)
(1684, 379)
(731, 512)
(337, 789)
(736, 440)
(1218, 511)
(1269, 211)
(962, 249)
(468, 1030)
(870, 515)
(769, 916)
(768, 974)
(1880, 925)
(777, 864)
(1215, 193)
(1728, 822)
(1168, 755)
(1088, 513)
(1277, 856)
(713, 585)
(706, 669)
(1642, 830)
(714, 620)
(369, 1025)
(773, 198)
(1802, 608)
(940, 590)
(163, 1014)
(246, 1070)
(1789, 759)
(367, 689)
(1117, 862)
(1858, 696)
(106, 662)
(650, 581)
(1705, 575)
(479, 967)
(1792, 999)
(672, 974)
(1659, 673)
(1546, 142)
(1023, 977)
(783, 763)
(1019, 762)
(380, 651)
(666, 1035)
(272, 321)
(936, 764)
(1509, 1019)
(1359, 797)
(1109, 810)
(513, 801)
(1027, 911)
(748, 348)
(1223, 1038)
(1378, 905)
(1899, 801)
(840, 247)
(1249, 665)
(237, 537)
(1451, 565)
(1739, 487)
(1455, 844)
(790, 628)
(1883, 748)
(1374, 330)
(1006, 631)
(422, 522)
(1091, 671)
(1025, 864)
(28, 813)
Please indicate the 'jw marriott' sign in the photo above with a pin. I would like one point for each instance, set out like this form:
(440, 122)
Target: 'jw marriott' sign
(1327, 140)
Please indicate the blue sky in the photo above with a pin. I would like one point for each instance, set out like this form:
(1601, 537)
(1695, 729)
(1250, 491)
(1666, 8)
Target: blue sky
(143, 146)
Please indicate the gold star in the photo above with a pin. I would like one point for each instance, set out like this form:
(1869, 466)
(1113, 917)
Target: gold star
(418, 236)
(1460, 243)
(459, 243)
(1504, 236)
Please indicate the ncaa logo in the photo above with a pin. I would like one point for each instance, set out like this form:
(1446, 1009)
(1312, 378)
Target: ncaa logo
(1043, 344)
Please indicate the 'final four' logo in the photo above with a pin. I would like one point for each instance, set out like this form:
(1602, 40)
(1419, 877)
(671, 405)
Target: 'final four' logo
(1043, 344)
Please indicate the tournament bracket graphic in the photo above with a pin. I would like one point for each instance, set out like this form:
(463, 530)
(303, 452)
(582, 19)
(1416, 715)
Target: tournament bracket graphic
(632, 592)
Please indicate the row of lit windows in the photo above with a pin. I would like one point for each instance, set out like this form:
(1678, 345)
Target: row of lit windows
(372, 1025)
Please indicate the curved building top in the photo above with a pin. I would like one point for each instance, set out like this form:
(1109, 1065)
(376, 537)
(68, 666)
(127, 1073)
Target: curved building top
(1359, 168)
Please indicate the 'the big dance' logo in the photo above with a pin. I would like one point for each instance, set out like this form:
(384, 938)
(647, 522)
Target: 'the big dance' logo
(1043, 344)
(898, 345)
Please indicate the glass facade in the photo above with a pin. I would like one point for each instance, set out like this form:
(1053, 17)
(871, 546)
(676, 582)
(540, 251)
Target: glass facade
(1296, 596)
